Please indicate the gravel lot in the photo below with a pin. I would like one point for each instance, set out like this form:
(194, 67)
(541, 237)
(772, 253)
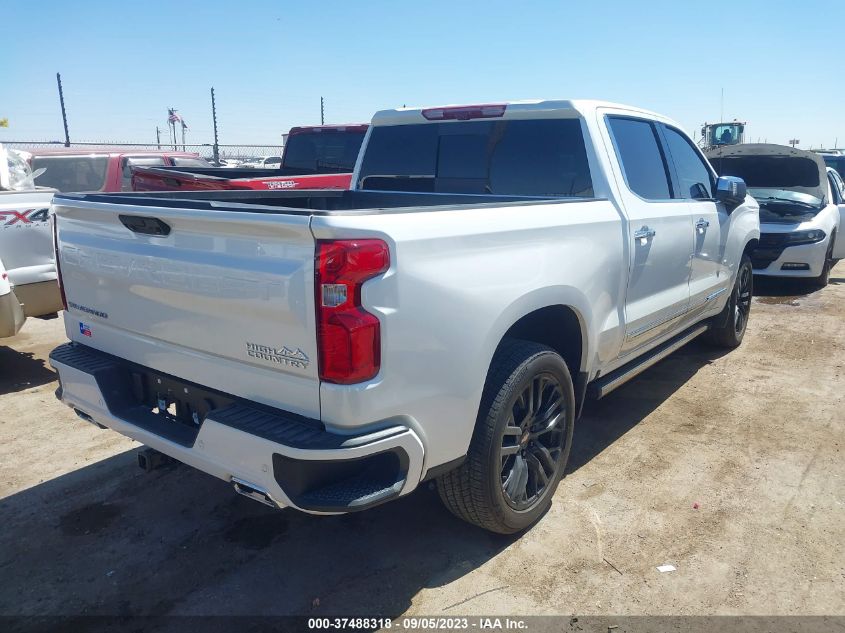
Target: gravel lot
(753, 437)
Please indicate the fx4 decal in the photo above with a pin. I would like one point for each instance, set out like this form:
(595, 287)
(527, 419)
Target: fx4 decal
(26, 216)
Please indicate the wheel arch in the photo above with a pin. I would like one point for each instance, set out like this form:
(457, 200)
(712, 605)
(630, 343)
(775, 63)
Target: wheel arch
(558, 326)
(750, 245)
(535, 317)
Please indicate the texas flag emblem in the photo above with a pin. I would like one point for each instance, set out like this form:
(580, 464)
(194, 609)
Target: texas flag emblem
(84, 329)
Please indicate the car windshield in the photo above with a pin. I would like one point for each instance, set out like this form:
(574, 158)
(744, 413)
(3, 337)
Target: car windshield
(767, 194)
(783, 205)
(71, 173)
(533, 157)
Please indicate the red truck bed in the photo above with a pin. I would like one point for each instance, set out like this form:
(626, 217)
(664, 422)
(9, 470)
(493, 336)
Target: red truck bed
(157, 179)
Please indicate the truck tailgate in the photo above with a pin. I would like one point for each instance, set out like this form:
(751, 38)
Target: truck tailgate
(225, 299)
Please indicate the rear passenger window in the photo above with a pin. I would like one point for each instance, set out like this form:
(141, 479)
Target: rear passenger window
(641, 158)
(694, 178)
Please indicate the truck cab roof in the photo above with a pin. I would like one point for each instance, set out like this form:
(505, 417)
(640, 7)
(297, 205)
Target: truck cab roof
(345, 127)
(522, 109)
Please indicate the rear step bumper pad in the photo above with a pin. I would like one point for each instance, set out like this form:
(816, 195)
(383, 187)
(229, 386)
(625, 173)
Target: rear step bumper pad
(295, 461)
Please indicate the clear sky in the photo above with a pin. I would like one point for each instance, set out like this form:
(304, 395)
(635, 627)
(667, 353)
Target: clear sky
(780, 63)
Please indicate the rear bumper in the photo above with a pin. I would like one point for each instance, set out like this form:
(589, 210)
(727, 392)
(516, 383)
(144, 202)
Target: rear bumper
(40, 298)
(11, 314)
(292, 460)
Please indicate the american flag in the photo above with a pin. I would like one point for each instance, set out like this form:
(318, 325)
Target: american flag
(173, 117)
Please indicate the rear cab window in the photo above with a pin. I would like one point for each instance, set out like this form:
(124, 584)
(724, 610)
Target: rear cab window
(72, 173)
(136, 161)
(532, 157)
(323, 152)
(189, 161)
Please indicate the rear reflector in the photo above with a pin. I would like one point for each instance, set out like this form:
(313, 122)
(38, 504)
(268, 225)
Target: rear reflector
(348, 337)
(465, 113)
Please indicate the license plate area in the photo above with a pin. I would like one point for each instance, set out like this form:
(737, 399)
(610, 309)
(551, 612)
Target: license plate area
(173, 400)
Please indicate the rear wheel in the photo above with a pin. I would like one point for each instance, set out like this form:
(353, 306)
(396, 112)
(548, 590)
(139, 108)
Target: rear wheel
(729, 327)
(521, 442)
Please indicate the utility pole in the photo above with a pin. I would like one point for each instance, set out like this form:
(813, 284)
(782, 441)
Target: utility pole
(322, 112)
(215, 151)
(64, 112)
(158, 137)
(794, 142)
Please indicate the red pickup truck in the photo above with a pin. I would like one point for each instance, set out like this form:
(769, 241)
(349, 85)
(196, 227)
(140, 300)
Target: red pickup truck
(315, 157)
(79, 170)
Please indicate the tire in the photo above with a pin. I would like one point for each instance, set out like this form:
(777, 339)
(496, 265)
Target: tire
(515, 459)
(728, 328)
(822, 280)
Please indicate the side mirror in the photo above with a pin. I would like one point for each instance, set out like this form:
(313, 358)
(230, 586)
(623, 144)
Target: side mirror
(731, 191)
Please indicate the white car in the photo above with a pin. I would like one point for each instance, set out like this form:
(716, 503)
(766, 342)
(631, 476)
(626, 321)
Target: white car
(493, 266)
(801, 208)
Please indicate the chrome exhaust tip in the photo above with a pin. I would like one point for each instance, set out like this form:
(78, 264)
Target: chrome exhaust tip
(256, 493)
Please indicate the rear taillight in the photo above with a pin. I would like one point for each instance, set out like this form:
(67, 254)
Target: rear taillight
(465, 113)
(58, 265)
(348, 337)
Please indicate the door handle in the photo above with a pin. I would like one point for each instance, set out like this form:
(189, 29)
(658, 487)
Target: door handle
(702, 224)
(644, 233)
(145, 225)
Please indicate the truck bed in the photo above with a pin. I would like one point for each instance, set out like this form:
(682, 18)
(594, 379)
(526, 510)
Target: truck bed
(304, 202)
(230, 173)
(221, 179)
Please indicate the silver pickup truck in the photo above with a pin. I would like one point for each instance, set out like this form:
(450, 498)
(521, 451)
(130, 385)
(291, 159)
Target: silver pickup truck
(492, 268)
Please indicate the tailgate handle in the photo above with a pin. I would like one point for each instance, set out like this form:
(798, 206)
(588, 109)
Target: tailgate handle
(147, 226)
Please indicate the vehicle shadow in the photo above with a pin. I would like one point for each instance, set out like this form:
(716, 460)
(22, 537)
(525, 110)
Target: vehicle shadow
(783, 287)
(109, 539)
(22, 370)
(605, 421)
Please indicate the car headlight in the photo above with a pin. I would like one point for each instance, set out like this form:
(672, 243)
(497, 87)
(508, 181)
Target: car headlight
(810, 236)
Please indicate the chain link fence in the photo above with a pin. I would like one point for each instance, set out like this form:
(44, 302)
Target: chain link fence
(206, 150)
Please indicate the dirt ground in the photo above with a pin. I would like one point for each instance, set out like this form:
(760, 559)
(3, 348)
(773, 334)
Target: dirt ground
(753, 437)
